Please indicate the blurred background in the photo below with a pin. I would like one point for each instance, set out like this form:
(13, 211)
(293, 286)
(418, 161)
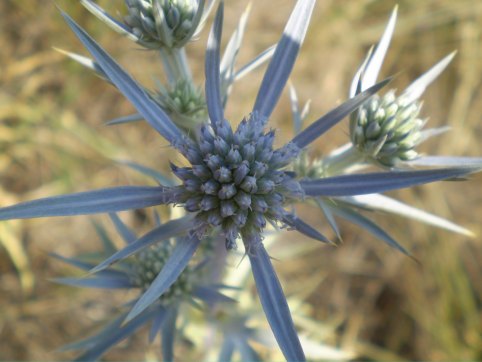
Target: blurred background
(380, 304)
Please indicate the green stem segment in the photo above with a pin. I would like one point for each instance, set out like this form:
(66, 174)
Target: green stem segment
(339, 163)
(175, 64)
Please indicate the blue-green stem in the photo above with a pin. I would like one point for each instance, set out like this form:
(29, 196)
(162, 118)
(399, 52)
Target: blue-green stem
(175, 65)
(340, 162)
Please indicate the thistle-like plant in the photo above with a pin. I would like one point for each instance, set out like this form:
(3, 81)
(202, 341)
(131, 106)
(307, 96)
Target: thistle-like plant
(236, 182)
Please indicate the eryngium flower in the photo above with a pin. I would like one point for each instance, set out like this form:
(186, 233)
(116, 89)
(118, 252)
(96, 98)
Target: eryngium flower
(387, 129)
(236, 180)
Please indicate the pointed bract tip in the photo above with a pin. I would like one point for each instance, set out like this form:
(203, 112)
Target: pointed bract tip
(383, 83)
(395, 10)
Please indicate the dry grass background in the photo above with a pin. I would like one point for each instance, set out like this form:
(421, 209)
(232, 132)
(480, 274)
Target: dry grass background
(384, 306)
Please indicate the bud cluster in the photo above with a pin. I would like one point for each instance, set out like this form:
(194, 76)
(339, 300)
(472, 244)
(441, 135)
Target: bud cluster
(147, 265)
(184, 103)
(236, 181)
(162, 23)
(309, 167)
(386, 129)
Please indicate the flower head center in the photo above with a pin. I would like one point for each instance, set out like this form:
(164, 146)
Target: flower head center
(236, 180)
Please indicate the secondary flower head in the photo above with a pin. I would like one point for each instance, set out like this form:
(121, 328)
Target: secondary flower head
(184, 103)
(139, 273)
(182, 99)
(387, 129)
(160, 23)
(156, 24)
(148, 263)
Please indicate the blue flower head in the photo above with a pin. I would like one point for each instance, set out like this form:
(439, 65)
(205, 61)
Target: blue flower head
(236, 181)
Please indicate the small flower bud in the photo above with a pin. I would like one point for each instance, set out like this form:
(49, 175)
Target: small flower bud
(206, 134)
(228, 208)
(373, 130)
(192, 204)
(214, 162)
(223, 175)
(269, 139)
(221, 147)
(209, 202)
(206, 147)
(184, 173)
(243, 200)
(224, 130)
(241, 172)
(193, 155)
(192, 185)
(249, 185)
(259, 169)
(258, 220)
(233, 157)
(265, 155)
(248, 152)
(265, 186)
(259, 204)
(227, 191)
(210, 187)
(214, 218)
(240, 218)
(201, 171)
